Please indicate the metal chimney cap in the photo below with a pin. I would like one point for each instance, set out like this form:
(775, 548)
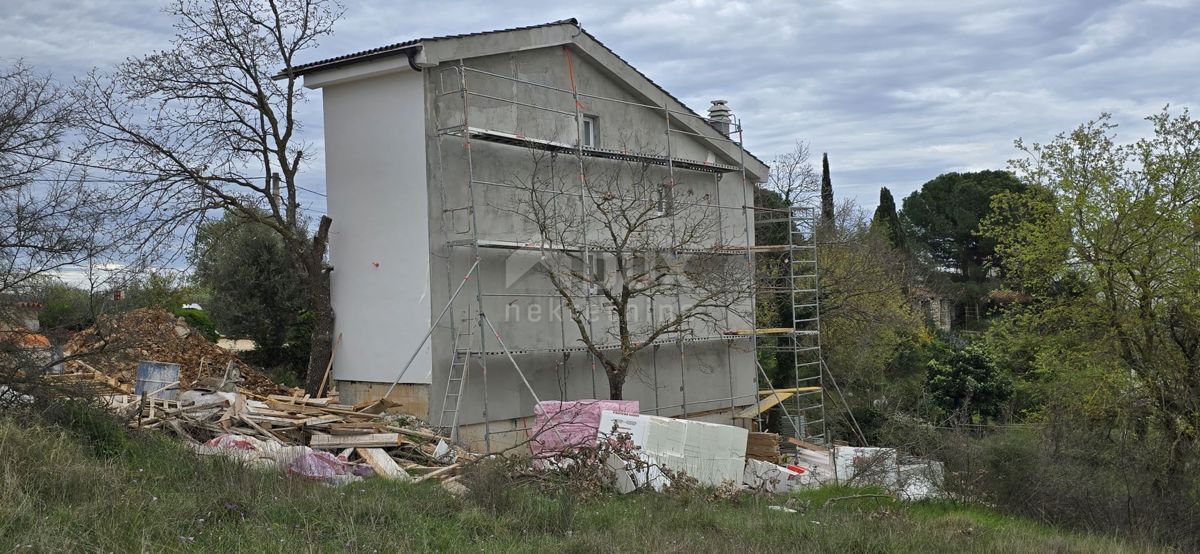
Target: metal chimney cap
(719, 110)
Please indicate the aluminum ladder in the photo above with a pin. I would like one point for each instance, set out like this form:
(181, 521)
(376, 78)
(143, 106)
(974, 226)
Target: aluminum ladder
(808, 408)
(456, 380)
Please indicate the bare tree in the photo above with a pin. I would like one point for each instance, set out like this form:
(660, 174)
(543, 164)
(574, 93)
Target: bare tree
(630, 241)
(210, 125)
(53, 217)
(793, 176)
(46, 215)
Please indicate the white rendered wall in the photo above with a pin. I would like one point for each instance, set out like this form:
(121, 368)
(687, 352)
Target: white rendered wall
(379, 242)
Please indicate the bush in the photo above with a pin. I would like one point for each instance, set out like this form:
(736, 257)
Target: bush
(1072, 474)
(199, 320)
(90, 424)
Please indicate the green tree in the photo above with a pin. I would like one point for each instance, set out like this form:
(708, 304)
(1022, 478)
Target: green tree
(967, 383)
(1114, 261)
(944, 215)
(255, 289)
(886, 221)
(827, 208)
(867, 318)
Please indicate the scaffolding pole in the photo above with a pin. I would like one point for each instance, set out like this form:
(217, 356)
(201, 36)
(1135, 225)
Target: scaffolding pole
(803, 339)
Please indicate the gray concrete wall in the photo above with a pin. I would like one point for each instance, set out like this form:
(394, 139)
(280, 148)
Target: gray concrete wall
(714, 371)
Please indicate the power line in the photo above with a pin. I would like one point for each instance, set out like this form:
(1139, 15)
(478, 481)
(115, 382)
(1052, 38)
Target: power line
(129, 171)
(90, 166)
(117, 181)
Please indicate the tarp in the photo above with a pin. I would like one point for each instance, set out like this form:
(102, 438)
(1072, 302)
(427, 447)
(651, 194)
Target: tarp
(301, 461)
(559, 425)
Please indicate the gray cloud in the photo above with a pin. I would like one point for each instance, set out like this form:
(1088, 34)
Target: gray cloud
(896, 91)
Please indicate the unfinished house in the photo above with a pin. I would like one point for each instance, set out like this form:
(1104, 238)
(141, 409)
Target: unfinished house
(513, 209)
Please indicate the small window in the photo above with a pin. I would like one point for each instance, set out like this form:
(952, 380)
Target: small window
(588, 132)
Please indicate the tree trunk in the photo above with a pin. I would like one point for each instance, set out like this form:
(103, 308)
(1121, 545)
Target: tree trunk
(616, 382)
(616, 387)
(321, 306)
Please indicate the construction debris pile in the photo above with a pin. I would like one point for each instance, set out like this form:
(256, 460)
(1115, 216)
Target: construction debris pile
(113, 348)
(310, 437)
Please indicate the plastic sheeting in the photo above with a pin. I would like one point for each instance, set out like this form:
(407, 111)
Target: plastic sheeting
(300, 461)
(766, 476)
(559, 426)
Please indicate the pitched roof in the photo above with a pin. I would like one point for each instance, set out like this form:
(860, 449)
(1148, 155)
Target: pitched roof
(411, 46)
(399, 47)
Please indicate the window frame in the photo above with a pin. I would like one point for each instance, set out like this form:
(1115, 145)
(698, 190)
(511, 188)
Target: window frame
(587, 131)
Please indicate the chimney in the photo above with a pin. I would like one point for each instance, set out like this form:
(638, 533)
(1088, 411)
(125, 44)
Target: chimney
(720, 116)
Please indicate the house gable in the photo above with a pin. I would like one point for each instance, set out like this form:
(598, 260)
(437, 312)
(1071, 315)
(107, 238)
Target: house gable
(432, 52)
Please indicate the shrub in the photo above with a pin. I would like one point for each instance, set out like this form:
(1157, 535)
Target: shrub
(199, 320)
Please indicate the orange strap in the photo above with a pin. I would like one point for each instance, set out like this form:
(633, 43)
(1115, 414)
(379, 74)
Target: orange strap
(571, 74)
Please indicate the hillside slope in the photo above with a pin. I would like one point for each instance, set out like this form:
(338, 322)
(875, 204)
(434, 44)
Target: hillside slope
(99, 488)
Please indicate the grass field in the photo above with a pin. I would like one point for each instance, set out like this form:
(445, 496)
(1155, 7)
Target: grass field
(96, 488)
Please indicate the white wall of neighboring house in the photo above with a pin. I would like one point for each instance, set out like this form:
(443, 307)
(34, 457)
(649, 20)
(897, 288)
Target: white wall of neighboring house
(375, 175)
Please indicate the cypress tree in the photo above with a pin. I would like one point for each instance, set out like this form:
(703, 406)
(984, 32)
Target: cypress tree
(886, 219)
(826, 191)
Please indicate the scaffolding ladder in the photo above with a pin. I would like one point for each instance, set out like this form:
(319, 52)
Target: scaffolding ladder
(456, 380)
(808, 410)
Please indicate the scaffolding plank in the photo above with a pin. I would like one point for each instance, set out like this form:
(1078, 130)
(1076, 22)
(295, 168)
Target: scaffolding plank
(772, 399)
(765, 331)
(511, 139)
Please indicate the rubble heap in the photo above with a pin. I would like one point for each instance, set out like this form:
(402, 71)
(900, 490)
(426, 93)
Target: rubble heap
(117, 342)
(315, 438)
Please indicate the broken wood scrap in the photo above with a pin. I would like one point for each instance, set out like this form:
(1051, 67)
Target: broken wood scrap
(370, 440)
(300, 401)
(323, 420)
(383, 464)
(440, 472)
(417, 433)
(375, 407)
(763, 446)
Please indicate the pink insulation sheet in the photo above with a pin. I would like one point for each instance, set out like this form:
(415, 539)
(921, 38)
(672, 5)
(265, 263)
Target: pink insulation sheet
(559, 425)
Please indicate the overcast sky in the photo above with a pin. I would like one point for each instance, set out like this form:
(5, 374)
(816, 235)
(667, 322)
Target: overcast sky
(895, 92)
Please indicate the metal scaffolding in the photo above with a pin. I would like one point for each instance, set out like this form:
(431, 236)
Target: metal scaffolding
(793, 279)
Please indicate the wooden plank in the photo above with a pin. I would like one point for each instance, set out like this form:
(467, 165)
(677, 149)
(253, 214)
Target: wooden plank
(294, 408)
(337, 429)
(329, 368)
(383, 464)
(418, 433)
(322, 420)
(766, 392)
(806, 444)
(375, 407)
(767, 331)
(443, 472)
(273, 420)
(295, 400)
(763, 446)
(369, 440)
(763, 405)
(259, 428)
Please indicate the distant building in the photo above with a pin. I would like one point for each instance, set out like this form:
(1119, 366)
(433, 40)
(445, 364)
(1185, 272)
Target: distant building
(938, 309)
